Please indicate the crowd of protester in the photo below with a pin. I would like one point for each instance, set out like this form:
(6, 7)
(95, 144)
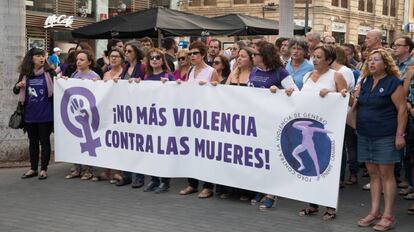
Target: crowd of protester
(379, 80)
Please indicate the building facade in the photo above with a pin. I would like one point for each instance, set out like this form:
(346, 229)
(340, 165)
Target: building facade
(347, 20)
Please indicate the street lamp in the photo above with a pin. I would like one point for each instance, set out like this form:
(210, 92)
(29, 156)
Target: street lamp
(269, 7)
(306, 16)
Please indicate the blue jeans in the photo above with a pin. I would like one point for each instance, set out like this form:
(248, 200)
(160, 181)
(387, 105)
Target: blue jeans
(349, 151)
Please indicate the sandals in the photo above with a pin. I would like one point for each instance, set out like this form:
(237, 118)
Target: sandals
(188, 190)
(268, 202)
(308, 211)
(87, 176)
(386, 223)
(205, 193)
(368, 220)
(405, 191)
(29, 174)
(42, 175)
(74, 174)
(329, 215)
(409, 196)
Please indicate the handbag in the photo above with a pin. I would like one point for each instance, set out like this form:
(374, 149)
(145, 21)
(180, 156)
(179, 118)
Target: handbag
(16, 119)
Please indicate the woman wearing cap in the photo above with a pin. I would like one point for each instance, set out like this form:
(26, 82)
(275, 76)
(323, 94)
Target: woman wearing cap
(35, 90)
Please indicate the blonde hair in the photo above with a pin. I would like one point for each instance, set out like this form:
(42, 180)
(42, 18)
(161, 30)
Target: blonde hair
(181, 52)
(390, 68)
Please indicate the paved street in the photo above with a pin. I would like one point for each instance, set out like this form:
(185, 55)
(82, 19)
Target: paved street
(57, 204)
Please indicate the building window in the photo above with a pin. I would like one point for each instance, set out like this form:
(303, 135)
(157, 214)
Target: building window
(361, 5)
(335, 2)
(370, 6)
(256, 1)
(41, 5)
(344, 3)
(210, 2)
(85, 8)
(195, 3)
(385, 7)
(119, 7)
(240, 1)
(393, 8)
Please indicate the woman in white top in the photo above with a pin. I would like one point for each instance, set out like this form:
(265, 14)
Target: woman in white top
(339, 66)
(323, 80)
(200, 72)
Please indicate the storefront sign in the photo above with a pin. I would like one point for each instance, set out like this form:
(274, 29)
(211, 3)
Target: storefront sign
(61, 20)
(339, 27)
(363, 30)
(384, 33)
(301, 22)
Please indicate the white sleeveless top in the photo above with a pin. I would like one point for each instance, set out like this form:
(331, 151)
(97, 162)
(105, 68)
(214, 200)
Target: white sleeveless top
(326, 81)
(205, 74)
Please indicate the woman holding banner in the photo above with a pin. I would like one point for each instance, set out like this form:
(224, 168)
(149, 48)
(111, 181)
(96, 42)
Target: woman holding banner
(35, 90)
(183, 65)
(243, 67)
(323, 80)
(381, 123)
(201, 73)
(157, 70)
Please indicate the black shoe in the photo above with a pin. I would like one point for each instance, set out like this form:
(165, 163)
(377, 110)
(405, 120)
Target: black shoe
(137, 183)
(151, 186)
(29, 174)
(123, 182)
(162, 188)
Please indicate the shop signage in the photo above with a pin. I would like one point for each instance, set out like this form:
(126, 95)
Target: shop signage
(301, 22)
(363, 30)
(61, 20)
(339, 27)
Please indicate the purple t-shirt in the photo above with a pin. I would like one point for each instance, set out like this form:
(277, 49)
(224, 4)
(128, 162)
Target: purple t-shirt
(89, 75)
(38, 107)
(157, 77)
(265, 79)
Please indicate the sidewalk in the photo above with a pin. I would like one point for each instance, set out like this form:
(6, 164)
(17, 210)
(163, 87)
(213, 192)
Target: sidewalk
(61, 205)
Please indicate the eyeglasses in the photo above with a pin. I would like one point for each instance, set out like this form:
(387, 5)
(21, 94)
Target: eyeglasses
(233, 49)
(193, 53)
(181, 58)
(216, 62)
(128, 50)
(155, 58)
(330, 43)
(398, 45)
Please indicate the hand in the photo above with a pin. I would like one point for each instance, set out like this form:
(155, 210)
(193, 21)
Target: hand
(202, 82)
(289, 91)
(163, 79)
(343, 92)
(94, 79)
(323, 92)
(21, 84)
(214, 83)
(115, 79)
(136, 80)
(273, 89)
(399, 142)
(178, 81)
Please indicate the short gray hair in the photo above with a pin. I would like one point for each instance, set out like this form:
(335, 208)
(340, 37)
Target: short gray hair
(300, 42)
(314, 35)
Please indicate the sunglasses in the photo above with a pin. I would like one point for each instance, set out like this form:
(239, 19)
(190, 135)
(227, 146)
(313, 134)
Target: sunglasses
(181, 58)
(216, 62)
(155, 57)
(128, 50)
(193, 53)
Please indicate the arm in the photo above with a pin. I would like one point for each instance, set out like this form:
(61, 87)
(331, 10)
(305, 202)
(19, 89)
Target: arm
(398, 98)
(340, 82)
(215, 77)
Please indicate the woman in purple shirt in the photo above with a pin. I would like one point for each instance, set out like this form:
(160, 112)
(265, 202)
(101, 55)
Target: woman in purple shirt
(35, 89)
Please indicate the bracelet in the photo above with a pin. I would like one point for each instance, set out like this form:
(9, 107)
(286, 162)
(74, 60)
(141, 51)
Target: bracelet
(400, 135)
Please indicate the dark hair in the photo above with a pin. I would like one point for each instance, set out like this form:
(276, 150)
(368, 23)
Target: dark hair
(200, 46)
(164, 66)
(121, 53)
(279, 42)
(270, 54)
(136, 46)
(147, 39)
(329, 51)
(407, 41)
(169, 43)
(341, 57)
(27, 66)
(89, 56)
(112, 43)
(85, 46)
(226, 65)
(301, 43)
(215, 40)
(71, 59)
(241, 44)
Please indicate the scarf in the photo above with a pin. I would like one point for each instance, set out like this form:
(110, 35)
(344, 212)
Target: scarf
(49, 83)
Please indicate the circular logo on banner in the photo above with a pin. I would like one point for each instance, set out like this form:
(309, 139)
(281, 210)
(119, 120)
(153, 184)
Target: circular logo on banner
(306, 148)
(80, 116)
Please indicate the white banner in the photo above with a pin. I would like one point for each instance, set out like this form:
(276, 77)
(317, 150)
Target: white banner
(243, 137)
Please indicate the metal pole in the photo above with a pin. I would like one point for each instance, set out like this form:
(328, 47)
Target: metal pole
(263, 11)
(306, 16)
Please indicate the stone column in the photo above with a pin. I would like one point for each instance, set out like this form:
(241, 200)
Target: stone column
(100, 44)
(13, 143)
(286, 23)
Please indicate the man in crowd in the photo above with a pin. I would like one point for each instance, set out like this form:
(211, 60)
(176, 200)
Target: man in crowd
(170, 49)
(313, 39)
(373, 40)
(329, 40)
(214, 47)
(257, 39)
(402, 48)
(350, 52)
(53, 59)
(147, 43)
(283, 45)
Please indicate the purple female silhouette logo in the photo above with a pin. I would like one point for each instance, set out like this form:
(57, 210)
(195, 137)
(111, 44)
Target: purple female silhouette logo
(306, 146)
(84, 115)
